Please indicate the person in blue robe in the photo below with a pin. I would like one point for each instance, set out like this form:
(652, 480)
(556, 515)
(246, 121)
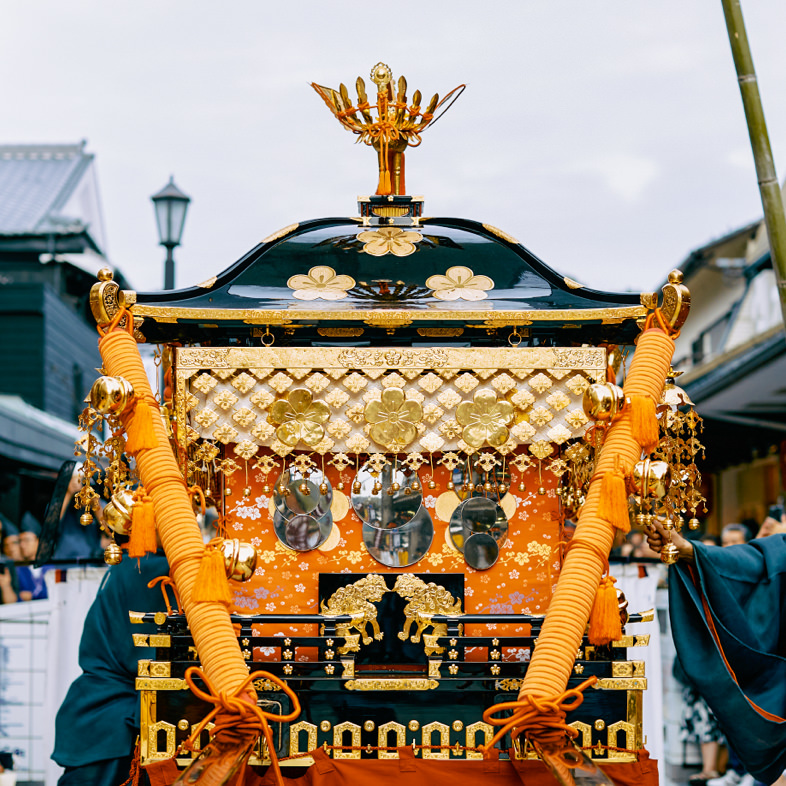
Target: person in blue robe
(728, 620)
(98, 722)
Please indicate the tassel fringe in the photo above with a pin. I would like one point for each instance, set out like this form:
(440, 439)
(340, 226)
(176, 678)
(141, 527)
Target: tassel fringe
(139, 428)
(142, 539)
(644, 422)
(211, 584)
(604, 622)
(613, 503)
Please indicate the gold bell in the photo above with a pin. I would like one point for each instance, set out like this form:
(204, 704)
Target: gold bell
(503, 489)
(113, 554)
(266, 489)
(670, 554)
(323, 488)
(432, 484)
(487, 486)
(522, 487)
(240, 559)
(340, 485)
(303, 487)
(111, 395)
(470, 486)
(603, 401)
(451, 485)
(651, 479)
(541, 490)
(395, 486)
(376, 488)
(283, 490)
(694, 523)
(356, 487)
(86, 519)
(415, 486)
(117, 513)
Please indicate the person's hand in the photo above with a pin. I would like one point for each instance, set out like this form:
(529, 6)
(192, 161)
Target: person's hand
(5, 579)
(771, 526)
(658, 536)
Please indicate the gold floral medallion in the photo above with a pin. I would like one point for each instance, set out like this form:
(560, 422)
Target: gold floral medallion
(393, 419)
(485, 420)
(320, 283)
(299, 418)
(460, 283)
(389, 240)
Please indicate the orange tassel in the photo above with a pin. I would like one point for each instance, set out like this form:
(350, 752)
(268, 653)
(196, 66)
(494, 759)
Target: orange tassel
(644, 422)
(605, 625)
(139, 428)
(211, 582)
(613, 502)
(142, 539)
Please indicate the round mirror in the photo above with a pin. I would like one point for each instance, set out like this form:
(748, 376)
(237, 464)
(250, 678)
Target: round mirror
(302, 493)
(304, 533)
(402, 546)
(385, 499)
(481, 551)
(474, 515)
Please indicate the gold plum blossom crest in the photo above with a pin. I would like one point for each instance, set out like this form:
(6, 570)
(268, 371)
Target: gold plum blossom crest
(389, 240)
(485, 421)
(393, 419)
(459, 283)
(320, 283)
(299, 418)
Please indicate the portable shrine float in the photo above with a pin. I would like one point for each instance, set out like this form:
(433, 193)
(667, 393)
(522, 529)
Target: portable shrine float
(411, 433)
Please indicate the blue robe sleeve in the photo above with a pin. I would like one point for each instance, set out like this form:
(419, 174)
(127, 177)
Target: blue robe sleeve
(99, 717)
(728, 620)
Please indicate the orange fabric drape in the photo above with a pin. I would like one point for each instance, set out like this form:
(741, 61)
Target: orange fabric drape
(424, 772)
(213, 634)
(569, 610)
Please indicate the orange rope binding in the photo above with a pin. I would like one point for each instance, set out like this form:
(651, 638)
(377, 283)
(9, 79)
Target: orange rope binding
(542, 719)
(235, 717)
(587, 559)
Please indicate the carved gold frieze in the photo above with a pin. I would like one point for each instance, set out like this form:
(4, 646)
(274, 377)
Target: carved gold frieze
(391, 684)
(383, 739)
(489, 317)
(338, 400)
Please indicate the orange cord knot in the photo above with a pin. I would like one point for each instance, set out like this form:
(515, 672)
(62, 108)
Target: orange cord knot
(540, 719)
(166, 581)
(237, 717)
(142, 539)
(196, 491)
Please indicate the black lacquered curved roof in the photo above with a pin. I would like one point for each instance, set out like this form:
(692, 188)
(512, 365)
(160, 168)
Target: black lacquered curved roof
(255, 289)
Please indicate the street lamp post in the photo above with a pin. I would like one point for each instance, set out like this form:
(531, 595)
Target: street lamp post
(170, 204)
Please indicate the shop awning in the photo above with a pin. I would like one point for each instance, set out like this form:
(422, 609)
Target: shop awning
(30, 436)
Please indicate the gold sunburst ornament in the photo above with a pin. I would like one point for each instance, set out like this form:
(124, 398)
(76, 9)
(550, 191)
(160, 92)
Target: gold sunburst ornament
(299, 418)
(389, 125)
(485, 420)
(389, 240)
(460, 283)
(393, 419)
(320, 283)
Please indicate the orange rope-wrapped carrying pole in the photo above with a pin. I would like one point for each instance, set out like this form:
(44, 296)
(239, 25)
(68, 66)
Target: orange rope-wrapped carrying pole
(209, 622)
(542, 699)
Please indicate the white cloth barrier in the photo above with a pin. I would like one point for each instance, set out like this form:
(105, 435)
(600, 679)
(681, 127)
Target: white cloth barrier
(640, 592)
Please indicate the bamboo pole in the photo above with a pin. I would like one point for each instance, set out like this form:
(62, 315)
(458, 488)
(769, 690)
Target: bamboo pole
(769, 188)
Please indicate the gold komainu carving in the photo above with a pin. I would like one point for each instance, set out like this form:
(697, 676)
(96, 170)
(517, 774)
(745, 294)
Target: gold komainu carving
(357, 600)
(425, 600)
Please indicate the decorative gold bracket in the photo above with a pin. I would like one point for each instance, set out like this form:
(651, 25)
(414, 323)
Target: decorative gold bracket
(106, 299)
(676, 301)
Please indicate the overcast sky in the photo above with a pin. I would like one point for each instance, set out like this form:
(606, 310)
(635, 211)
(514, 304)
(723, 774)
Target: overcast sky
(607, 136)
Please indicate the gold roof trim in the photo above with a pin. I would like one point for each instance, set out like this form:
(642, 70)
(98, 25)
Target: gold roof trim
(252, 316)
